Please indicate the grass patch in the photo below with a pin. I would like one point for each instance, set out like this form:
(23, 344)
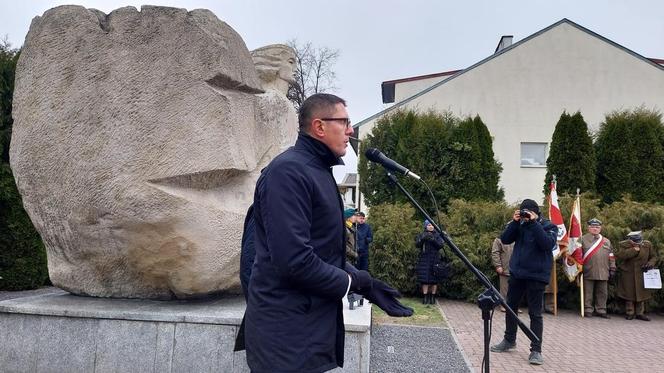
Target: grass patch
(423, 315)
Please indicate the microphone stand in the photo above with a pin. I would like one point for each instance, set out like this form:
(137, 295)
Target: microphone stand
(486, 301)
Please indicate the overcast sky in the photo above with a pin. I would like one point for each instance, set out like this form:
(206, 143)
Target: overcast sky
(386, 39)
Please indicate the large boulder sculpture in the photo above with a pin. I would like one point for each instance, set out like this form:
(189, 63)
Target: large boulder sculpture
(137, 140)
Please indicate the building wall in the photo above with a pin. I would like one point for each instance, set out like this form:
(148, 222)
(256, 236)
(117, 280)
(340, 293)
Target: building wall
(521, 94)
(406, 89)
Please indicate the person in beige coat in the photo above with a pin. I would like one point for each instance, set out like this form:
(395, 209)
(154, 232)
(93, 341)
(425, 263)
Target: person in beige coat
(598, 266)
(635, 255)
(500, 258)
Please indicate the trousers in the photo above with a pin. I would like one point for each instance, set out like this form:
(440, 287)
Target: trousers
(534, 291)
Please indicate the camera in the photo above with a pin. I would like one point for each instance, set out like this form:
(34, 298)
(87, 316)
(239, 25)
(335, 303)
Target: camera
(523, 213)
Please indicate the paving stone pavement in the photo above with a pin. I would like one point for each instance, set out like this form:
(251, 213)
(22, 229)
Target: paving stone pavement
(570, 343)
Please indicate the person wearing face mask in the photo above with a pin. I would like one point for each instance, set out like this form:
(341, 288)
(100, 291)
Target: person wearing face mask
(530, 267)
(635, 256)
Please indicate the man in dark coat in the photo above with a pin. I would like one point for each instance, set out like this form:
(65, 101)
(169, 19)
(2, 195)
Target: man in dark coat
(534, 239)
(294, 320)
(364, 238)
(635, 256)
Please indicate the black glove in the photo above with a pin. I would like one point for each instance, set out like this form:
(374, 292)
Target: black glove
(360, 282)
(647, 267)
(385, 297)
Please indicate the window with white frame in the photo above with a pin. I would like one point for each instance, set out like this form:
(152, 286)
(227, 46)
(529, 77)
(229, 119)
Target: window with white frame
(533, 154)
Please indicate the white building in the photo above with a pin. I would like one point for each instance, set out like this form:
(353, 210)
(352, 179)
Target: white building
(521, 90)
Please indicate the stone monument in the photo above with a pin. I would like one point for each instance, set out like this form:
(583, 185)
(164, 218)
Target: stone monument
(137, 140)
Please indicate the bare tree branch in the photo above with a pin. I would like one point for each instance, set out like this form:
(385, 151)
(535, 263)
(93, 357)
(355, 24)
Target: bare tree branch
(313, 71)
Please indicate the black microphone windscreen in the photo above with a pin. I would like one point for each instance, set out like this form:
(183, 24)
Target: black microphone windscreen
(373, 154)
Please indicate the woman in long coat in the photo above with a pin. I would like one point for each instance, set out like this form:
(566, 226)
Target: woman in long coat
(635, 256)
(429, 243)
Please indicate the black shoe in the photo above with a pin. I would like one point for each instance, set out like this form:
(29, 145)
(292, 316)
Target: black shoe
(629, 317)
(425, 299)
(642, 317)
(432, 299)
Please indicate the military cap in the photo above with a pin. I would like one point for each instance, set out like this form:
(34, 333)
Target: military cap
(635, 236)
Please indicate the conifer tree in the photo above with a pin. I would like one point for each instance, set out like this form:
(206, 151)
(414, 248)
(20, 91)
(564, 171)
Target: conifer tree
(630, 156)
(571, 156)
(454, 158)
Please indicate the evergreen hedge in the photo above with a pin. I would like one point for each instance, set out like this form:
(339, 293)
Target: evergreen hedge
(22, 253)
(454, 157)
(472, 226)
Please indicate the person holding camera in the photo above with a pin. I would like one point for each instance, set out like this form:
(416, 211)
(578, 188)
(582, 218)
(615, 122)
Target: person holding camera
(430, 243)
(530, 267)
(635, 256)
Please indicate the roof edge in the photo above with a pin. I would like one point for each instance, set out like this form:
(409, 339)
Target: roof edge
(505, 50)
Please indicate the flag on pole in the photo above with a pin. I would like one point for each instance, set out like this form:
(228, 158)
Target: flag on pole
(574, 261)
(556, 218)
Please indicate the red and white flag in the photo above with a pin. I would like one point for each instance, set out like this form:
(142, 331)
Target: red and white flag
(556, 218)
(575, 227)
(576, 257)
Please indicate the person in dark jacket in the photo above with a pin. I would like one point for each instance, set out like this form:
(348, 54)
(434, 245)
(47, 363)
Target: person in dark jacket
(534, 239)
(429, 242)
(364, 238)
(294, 319)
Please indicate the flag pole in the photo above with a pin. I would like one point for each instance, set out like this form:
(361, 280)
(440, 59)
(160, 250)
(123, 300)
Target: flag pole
(555, 280)
(581, 278)
(555, 291)
(582, 306)
(554, 286)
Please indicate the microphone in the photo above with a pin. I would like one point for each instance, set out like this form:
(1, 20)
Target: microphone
(375, 155)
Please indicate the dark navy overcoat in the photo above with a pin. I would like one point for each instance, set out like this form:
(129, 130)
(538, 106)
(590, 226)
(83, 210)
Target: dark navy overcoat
(294, 319)
(534, 242)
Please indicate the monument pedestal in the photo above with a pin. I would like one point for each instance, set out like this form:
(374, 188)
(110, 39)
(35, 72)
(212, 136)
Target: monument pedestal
(68, 333)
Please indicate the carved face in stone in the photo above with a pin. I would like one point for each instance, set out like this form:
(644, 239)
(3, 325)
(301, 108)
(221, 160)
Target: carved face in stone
(138, 138)
(275, 65)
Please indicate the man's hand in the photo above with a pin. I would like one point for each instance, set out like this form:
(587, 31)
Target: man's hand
(647, 267)
(360, 281)
(385, 297)
(517, 215)
(378, 293)
(533, 216)
(500, 270)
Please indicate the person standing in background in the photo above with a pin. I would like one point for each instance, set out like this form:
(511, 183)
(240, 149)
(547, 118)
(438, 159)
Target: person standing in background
(530, 269)
(364, 238)
(635, 256)
(429, 242)
(599, 265)
(500, 258)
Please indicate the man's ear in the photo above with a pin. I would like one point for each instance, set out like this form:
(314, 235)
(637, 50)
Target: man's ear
(317, 128)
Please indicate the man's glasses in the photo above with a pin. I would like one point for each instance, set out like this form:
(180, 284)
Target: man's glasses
(344, 121)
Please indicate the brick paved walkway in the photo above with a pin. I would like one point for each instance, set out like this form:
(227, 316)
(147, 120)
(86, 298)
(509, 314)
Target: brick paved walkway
(570, 343)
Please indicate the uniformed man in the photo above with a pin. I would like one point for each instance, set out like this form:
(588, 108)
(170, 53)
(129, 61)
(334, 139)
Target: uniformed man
(598, 266)
(635, 255)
